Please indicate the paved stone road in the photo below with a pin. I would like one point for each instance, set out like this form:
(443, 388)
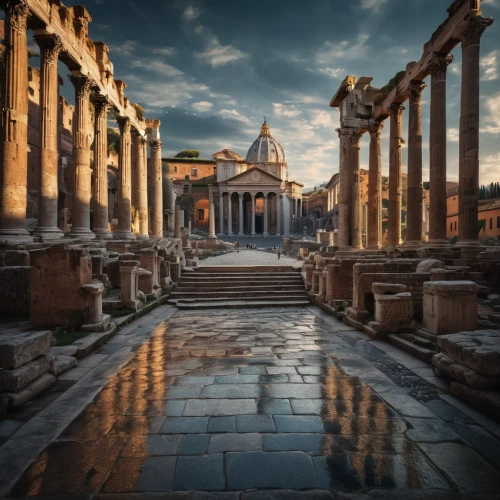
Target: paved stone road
(250, 258)
(245, 403)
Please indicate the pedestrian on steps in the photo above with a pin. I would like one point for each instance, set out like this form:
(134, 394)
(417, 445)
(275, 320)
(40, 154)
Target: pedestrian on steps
(279, 252)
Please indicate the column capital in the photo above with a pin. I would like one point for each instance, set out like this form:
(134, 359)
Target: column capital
(50, 47)
(416, 88)
(83, 86)
(439, 64)
(100, 103)
(156, 145)
(474, 28)
(397, 110)
(17, 13)
(124, 124)
(375, 131)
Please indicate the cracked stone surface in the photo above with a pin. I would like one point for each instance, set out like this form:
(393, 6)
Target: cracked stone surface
(196, 411)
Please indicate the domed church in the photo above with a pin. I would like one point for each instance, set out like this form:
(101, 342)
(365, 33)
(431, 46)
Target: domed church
(246, 196)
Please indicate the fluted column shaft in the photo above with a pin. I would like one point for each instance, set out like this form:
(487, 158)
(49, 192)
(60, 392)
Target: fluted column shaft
(82, 192)
(156, 176)
(414, 213)
(141, 183)
(100, 169)
(266, 215)
(229, 214)
(395, 175)
(253, 213)
(345, 190)
(437, 149)
(278, 213)
(221, 213)
(374, 231)
(211, 219)
(468, 166)
(50, 46)
(240, 218)
(125, 189)
(357, 219)
(14, 129)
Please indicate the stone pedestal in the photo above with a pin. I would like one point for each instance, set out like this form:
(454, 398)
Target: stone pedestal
(96, 320)
(175, 268)
(177, 230)
(151, 262)
(450, 306)
(130, 284)
(393, 308)
(309, 268)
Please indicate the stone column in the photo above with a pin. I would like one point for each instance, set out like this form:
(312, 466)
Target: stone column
(240, 200)
(357, 219)
(395, 175)
(100, 168)
(14, 129)
(156, 189)
(437, 148)
(374, 232)
(266, 214)
(125, 189)
(82, 192)
(253, 213)
(141, 183)
(468, 165)
(48, 188)
(177, 229)
(211, 219)
(345, 191)
(229, 215)
(278, 213)
(414, 214)
(221, 213)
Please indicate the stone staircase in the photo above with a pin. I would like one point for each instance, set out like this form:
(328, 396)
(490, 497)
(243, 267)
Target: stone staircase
(240, 286)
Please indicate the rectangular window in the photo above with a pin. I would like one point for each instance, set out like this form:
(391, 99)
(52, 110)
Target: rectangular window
(455, 225)
(498, 222)
(194, 172)
(451, 226)
(491, 223)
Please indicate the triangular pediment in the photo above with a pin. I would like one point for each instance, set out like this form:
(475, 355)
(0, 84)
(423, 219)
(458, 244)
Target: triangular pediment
(227, 154)
(254, 175)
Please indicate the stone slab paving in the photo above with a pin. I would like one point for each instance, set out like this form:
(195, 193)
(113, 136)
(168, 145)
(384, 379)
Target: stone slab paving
(185, 407)
(247, 257)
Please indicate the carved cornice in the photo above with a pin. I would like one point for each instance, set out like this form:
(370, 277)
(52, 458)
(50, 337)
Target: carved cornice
(156, 145)
(475, 26)
(83, 86)
(50, 47)
(17, 12)
(439, 64)
(416, 88)
(375, 131)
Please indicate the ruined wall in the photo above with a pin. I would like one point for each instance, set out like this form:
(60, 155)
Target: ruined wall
(15, 291)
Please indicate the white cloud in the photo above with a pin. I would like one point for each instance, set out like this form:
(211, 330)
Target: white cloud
(332, 72)
(218, 55)
(495, 3)
(453, 134)
(489, 168)
(286, 111)
(330, 52)
(373, 5)
(490, 66)
(125, 49)
(321, 118)
(234, 115)
(165, 51)
(157, 66)
(492, 117)
(191, 13)
(202, 106)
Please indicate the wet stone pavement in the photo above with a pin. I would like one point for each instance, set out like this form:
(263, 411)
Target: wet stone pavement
(251, 405)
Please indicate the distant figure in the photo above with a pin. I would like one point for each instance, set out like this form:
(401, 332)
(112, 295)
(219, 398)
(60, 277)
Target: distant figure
(237, 246)
(279, 253)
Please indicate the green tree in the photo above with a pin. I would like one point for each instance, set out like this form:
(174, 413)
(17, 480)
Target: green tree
(188, 153)
(139, 111)
(113, 139)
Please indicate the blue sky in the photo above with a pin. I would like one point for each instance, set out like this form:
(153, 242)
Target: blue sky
(210, 70)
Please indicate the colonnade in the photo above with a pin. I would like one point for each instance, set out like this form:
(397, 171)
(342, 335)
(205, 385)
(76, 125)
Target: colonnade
(14, 149)
(349, 195)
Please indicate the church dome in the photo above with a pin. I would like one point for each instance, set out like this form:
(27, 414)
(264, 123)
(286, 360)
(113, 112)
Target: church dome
(265, 149)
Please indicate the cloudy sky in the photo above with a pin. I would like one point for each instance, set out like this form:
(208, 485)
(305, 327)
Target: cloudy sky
(210, 70)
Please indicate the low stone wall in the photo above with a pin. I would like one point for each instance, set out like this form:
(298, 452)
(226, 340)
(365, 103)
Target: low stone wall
(15, 291)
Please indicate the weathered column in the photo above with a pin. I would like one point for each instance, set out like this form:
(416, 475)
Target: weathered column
(414, 183)
(278, 213)
(253, 213)
(468, 165)
(229, 214)
(141, 183)
(395, 175)
(221, 213)
(48, 189)
(125, 190)
(14, 128)
(437, 149)
(357, 219)
(266, 214)
(345, 191)
(156, 190)
(177, 230)
(240, 219)
(374, 231)
(100, 168)
(211, 218)
(82, 193)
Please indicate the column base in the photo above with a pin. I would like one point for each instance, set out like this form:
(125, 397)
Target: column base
(103, 234)
(211, 236)
(82, 233)
(469, 248)
(439, 243)
(125, 235)
(265, 235)
(254, 234)
(48, 233)
(15, 236)
(142, 236)
(411, 245)
(374, 247)
(241, 233)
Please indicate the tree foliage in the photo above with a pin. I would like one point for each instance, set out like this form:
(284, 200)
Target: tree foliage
(139, 111)
(113, 139)
(188, 153)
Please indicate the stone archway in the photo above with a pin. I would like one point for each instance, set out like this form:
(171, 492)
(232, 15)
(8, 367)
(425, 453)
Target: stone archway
(201, 214)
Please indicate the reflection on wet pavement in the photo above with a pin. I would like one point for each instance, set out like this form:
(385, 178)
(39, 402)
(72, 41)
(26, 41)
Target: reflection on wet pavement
(241, 400)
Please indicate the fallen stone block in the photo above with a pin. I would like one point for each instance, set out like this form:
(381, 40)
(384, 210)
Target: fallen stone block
(486, 401)
(19, 348)
(63, 364)
(17, 379)
(29, 392)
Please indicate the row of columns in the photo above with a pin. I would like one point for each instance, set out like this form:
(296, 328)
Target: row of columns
(349, 201)
(14, 147)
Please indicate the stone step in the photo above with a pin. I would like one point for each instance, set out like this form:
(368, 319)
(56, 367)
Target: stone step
(222, 273)
(234, 304)
(275, 298)
(216, 284)
(225, 293)
(240, 288)
(417, 351)
(214, 276)
(246, 269)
